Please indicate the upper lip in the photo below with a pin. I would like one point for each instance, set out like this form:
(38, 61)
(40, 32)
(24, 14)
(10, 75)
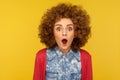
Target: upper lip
(64, 39)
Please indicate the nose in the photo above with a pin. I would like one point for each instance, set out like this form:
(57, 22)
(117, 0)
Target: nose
(64, 33)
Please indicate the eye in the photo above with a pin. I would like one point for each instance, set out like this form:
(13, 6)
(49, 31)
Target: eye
(58, 29)
(70, 28)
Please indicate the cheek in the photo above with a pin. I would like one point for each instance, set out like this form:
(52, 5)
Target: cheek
(57, 37)
(57, 34)
(71, 37)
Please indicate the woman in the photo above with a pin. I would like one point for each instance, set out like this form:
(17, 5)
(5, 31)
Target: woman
(64, 29)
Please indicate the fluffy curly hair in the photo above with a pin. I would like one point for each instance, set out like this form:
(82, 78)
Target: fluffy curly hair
(79, 17)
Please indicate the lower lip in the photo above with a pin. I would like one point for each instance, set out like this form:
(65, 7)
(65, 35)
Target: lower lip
(64, 43)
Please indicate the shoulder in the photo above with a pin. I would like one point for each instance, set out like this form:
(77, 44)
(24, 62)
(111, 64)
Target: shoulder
(85, 53)
(42, 51)
(41, 54)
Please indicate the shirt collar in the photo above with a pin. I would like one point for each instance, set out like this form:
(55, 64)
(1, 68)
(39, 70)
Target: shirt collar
(69, 55)
(50, 54)
(75, 54)
(58, 52)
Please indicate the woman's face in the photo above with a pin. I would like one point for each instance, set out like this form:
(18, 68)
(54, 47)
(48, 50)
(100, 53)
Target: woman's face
(64, 34)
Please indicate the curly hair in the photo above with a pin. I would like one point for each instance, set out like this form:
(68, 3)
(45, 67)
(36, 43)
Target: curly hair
(79, 17)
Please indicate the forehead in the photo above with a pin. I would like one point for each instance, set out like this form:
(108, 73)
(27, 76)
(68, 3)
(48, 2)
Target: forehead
(64, 21)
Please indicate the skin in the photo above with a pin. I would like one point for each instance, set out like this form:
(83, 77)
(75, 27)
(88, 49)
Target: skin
(64, 34)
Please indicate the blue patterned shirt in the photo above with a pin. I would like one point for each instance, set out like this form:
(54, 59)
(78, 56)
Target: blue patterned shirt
(63, 67)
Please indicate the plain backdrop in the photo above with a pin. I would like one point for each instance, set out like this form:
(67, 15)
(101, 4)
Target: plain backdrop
(19, 42)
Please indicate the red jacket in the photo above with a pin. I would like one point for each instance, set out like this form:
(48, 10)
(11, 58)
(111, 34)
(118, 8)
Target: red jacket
(40, 65)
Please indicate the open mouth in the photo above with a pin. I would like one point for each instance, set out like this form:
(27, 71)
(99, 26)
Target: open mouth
(64, 41)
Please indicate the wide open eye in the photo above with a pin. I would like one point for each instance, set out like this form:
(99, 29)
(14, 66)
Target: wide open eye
(58, 29)
(70, 28)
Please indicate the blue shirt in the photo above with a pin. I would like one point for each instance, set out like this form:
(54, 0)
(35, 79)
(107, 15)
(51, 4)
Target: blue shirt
(63, 67)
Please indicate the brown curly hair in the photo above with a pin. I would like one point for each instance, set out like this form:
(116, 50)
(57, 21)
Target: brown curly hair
(79, 17)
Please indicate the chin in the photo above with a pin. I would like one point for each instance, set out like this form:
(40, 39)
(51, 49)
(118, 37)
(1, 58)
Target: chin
(65, 47)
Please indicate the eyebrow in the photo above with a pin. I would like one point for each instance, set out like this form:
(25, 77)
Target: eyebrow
(69, 24)
(61, 25)
(58, 25)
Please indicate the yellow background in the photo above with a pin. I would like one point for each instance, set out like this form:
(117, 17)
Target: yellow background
(19, 42)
